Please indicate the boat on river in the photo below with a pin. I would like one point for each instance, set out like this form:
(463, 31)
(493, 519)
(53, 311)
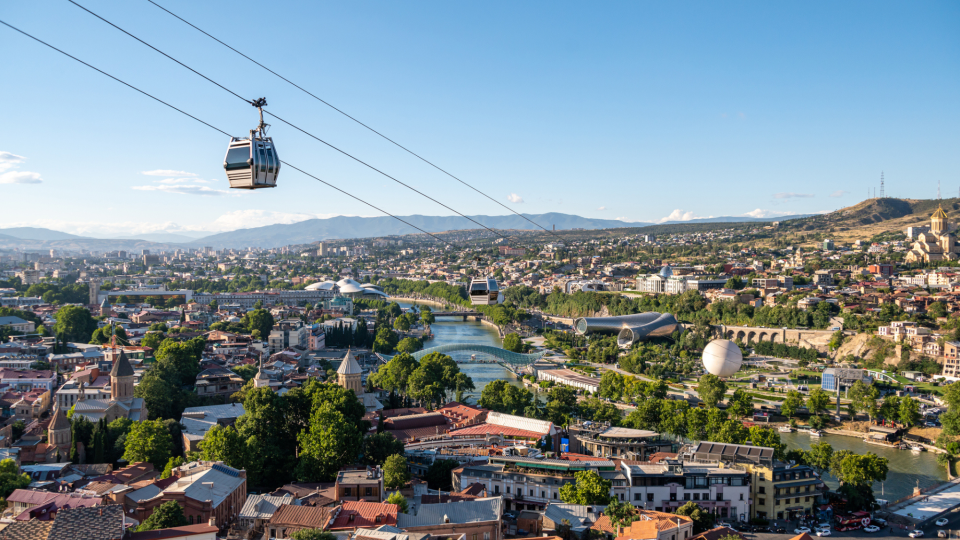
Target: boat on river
(785, 429)
(917, 448)
(816, 433)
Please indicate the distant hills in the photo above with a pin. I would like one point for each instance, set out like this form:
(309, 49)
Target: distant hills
(314, 230)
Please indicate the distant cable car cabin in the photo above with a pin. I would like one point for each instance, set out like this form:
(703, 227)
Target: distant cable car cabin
(485, 292)
(253, 163)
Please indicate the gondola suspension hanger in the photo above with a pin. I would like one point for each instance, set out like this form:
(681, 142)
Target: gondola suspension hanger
(253, 163)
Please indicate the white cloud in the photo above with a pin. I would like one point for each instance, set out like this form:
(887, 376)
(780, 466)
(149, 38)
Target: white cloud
(680, 215)
(167, 172)
(621, 218)
(514, 198)
(185, 190)
(792, 195)
(9, 161)
(12, 161)
(602, 208)
(20, 177)
(839, 193)
(760, 213)
(184, 181)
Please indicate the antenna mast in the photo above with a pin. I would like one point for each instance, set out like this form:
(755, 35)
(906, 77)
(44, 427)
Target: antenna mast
(881, 184)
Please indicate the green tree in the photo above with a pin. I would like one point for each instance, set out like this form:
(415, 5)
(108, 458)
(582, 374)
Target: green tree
(409, 345)
(740, 404)
(702, 520)
(74, 323)
(11, 479)
(223, 443)
(329, 444)
(588, 488)
(909, 411)
(312, 534)
(259, 322)
(148, 441)
(818, 400)
(395, 374)
(172, 464)
(165, 516)
(380, 446)
(427, 317)
(768, 438)
(395, 474)
(399, 500)
(711, 389)
(620, 513)
(611, 385)
(512, 342)
(791, 403)
(402, 323)
(439, 474)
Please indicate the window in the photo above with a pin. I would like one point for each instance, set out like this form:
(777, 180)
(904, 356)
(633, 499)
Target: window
(650, 497)
(741, 496)
(474, 536)
(636, 496)
(508, 489)
(696, 496)
(369, 492)
(806, 499)
(673, 496)
(621, 496)
(719, 496)
(346, 491)
(762, 502)
(554, 494)
(496, 490)
(762, 489)
(531, 494)
(686, 497)
(486, 536)
(543, 494)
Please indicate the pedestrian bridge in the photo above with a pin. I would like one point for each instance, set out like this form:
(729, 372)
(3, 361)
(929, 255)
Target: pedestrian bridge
(502, 355)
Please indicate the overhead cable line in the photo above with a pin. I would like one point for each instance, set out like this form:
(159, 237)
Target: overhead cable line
(328, 104)
(495, 232)
(213, 127)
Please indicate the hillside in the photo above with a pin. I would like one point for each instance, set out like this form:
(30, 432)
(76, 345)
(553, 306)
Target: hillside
(873, 217)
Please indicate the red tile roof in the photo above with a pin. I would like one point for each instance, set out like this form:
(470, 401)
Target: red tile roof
(491, 429)
(355, 514)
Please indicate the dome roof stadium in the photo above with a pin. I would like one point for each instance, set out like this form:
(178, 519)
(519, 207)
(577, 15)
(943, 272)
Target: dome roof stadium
(666, 272)
(321, 286)
(722, 357)
(347, 281)
(350, 288)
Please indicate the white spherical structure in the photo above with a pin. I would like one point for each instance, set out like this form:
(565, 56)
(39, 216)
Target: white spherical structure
(722, 357)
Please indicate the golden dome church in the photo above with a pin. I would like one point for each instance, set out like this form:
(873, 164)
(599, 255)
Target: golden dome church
(937, 245)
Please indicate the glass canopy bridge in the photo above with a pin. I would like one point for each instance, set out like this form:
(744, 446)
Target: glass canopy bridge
(499, 355)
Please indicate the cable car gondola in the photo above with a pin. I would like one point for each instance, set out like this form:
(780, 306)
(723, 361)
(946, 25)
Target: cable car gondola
(253, 163)
(484, 291)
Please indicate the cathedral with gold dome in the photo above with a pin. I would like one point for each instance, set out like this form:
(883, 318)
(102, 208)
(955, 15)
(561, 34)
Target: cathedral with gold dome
(937, 245)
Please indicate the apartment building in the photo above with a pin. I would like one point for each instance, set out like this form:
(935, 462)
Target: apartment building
(669, 485)
(602, 440)
(778, 490)
(289, 333)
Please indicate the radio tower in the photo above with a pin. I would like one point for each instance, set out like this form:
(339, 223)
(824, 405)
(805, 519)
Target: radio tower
(881, 184)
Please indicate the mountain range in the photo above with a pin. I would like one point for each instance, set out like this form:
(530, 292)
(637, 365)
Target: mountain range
(314, 230)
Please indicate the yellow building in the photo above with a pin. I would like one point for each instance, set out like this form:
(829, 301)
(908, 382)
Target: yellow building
(937, 245)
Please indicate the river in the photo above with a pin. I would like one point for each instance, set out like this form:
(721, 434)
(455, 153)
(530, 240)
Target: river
(454, 330)
(907, 469)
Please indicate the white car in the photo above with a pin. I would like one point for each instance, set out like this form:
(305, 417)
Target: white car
(823, 532)
(871, 529)
(801, 530)
(940, 522)
(916, 533)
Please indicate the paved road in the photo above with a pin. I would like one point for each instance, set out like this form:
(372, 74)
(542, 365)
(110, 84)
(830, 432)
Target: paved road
(952, 527)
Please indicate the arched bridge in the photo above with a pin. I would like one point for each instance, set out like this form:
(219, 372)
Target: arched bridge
(503, 355)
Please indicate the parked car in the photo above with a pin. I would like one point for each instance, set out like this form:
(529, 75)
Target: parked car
(930, 424)
(880, 522)
(940, 522)
(871, 529)
(941, 533)
(509, 515)
(761, 528)
(823, 532)
(801, 530)
(778, 530)
(916, 533)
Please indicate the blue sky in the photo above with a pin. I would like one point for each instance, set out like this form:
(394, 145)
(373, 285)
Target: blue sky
(631, 110)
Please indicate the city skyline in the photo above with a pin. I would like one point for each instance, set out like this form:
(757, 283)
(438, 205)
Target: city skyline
(766, 110)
